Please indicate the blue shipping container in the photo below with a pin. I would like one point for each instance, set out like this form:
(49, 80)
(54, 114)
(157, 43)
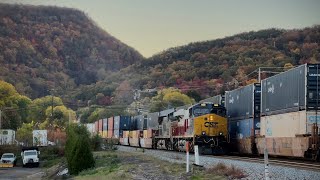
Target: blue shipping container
(122, 122)
(240, 129)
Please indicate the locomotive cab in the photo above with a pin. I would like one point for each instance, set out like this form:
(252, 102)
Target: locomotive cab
(210, 128)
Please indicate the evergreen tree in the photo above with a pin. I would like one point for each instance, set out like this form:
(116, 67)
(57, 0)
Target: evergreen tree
(78, 150)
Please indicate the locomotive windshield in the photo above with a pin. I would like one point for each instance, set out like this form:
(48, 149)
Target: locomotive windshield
(200, 111)
(203, 109)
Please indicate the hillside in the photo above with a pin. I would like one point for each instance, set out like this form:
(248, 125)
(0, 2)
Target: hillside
(204, 69)
(213, 66)
(43, 48)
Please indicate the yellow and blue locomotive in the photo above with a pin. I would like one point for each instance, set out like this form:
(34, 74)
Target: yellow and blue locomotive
(202, 124)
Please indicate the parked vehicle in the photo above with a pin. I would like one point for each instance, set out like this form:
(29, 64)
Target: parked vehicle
(30, 156)
(8, 160)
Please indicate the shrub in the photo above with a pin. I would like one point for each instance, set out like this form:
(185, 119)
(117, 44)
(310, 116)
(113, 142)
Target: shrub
(78, 150)
(96, 142)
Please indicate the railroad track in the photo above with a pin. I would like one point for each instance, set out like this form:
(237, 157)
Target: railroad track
(287, 163)
(307, 165)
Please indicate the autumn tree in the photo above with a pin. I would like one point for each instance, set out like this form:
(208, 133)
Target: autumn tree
(24, 133)
(288, 66)
(50, 111)
(169, 98)
(14, 106)
(124, 93)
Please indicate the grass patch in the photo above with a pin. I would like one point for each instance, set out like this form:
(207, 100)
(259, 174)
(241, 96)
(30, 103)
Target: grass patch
(51, 162)
(106, 162)
(136, 165)
(229, 171)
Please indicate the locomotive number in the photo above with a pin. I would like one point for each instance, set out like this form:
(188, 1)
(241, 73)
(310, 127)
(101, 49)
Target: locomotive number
(210, 124)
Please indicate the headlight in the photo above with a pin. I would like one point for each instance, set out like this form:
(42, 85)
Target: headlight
(203, 133)
(220, 133)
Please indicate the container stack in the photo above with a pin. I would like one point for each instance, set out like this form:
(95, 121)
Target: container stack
(110, 127)
(91, 128)
(139, 121)
(290, 102)
(100, 126)
(105, 128)
(96, 127)
(243, 113)
(121, 123)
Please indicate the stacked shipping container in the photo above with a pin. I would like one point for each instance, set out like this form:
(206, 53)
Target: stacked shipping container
(96, 127)
(139, 120)
(110, 127)
(91, 128)
(150, 126)
(105, 128)
(121, 123)
(243, 112)
(100, 127)
(289, 110)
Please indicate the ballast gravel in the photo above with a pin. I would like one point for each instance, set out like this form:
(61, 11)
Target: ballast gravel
(253, 170)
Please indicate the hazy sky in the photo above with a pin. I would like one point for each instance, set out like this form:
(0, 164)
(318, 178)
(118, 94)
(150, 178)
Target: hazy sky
(151, 26)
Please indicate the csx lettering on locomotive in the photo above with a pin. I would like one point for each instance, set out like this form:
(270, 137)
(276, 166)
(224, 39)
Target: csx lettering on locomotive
(210, 124)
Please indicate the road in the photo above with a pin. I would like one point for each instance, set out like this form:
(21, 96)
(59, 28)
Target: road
(20, 173)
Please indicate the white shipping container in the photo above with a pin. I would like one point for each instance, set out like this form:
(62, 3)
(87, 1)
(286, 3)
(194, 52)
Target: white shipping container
(40, 137)
(285, 125)
(91, 128)
(7, 136)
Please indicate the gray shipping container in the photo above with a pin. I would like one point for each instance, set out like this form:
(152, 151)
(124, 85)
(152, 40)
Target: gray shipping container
(294, 90)
(151, 121)
(139, 122)
(240, 103)
(105, 124)
(122, 122)
(285, 92)
(166, 112)
(218, 99)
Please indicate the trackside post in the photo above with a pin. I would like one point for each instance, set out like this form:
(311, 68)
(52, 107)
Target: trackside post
(187, 150)
(196, 155)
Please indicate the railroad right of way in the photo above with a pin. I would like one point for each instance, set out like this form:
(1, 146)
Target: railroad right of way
(253, 168)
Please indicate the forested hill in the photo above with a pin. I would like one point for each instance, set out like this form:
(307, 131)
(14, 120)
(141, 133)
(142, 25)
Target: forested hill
(208, 67)
(50, 47)
(43, 48)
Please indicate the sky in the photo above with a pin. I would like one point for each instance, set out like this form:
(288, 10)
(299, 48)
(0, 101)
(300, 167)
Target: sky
(151, 26)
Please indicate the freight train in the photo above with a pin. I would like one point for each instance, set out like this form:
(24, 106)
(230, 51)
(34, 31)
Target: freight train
(280, 113)
(203, 124)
